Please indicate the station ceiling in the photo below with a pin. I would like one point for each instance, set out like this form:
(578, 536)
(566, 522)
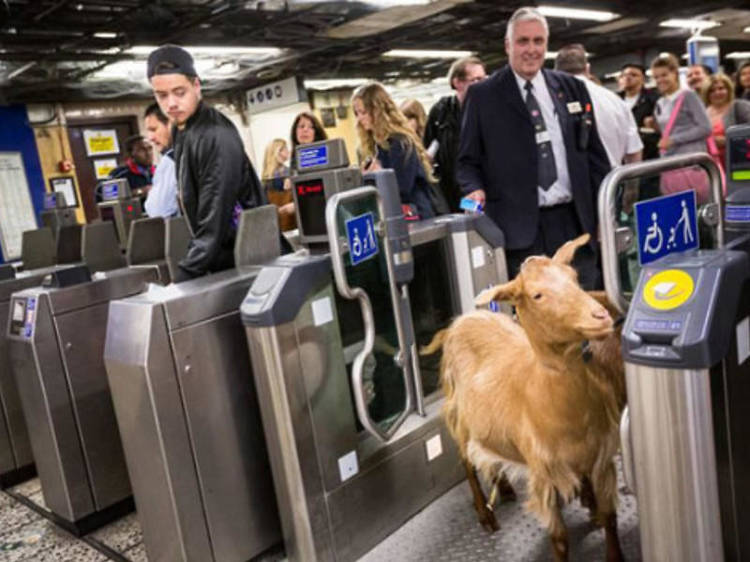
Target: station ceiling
(67, 50)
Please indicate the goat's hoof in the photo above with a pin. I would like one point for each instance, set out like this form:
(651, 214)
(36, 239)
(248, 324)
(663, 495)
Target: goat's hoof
(488, 521)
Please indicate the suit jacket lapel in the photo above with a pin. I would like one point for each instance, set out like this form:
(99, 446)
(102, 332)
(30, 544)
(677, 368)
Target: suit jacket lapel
(508, 89)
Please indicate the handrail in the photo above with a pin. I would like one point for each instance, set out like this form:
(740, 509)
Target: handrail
(339, 275)
(608, 219)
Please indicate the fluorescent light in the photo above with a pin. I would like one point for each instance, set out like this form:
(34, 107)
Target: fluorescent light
(693, 25)
(746, 30)
(577, 14)
(739, 55)
(210, 51)
(391, 3)
(333, 83)
(136, 69)
(551, 55)
(426, 54)
(105, 35)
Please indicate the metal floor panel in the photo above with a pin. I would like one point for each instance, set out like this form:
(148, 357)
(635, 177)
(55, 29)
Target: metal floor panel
(447, 531)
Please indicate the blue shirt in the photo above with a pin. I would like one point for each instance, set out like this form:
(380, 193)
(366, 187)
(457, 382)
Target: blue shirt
(162, 198)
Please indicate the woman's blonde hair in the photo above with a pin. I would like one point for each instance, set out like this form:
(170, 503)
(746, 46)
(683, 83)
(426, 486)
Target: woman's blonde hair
(387, 120)
(271, 163)
(412, 109)
(712, 81)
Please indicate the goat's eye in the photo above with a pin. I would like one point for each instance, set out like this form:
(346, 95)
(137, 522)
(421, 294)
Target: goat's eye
(537, 296)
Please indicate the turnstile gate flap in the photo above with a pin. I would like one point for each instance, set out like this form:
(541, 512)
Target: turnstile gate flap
(7, 271)
(480, 223)
(683, 311)
(67, 277)
(25, 280)
(282, 287)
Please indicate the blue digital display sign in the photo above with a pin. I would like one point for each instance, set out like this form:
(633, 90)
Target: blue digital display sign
(312, 156)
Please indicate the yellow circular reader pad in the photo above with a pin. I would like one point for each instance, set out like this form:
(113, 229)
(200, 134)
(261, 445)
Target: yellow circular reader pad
(668, 289)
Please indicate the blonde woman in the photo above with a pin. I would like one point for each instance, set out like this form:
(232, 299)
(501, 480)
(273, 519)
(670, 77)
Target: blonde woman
(277, 183)
(723, 110)
(387, 141)
(415, 115)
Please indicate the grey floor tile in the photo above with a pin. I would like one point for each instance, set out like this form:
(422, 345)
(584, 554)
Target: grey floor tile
(27, 488)
(136, 554)
(122, 534)
(15, 515)
(38, 498)
(42, 541)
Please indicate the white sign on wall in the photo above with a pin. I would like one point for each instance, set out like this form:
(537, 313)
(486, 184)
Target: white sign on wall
(16, 209)
(274, 94)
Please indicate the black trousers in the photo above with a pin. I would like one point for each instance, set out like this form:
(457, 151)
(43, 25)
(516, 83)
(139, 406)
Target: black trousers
(557, 225)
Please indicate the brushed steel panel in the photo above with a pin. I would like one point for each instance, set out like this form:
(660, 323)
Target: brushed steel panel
(675, 463)
(146, 396)
(43, 390)
(221, 408)
(81, 337)
(15, 447)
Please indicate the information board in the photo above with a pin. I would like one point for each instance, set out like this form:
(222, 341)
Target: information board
(16, 209)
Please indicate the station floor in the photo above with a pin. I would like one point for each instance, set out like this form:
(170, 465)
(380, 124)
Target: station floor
(445, 531)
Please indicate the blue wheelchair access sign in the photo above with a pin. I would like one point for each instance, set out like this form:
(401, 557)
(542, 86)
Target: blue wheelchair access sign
(363, 244)
(666, 225)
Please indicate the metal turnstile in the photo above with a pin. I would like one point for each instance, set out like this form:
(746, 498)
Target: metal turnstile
(56, 350)
(350, 410)
(685, 345)
(16, 460)
(178, 366)
(56, 213)
(119, 207)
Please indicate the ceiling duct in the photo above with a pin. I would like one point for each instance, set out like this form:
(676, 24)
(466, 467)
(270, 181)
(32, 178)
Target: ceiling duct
(390, 18)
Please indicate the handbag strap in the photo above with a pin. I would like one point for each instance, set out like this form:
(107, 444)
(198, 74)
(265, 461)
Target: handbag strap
(673, 116)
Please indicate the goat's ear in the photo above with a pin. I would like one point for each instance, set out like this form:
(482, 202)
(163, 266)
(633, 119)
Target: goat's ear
(509, 291)
(565, 253)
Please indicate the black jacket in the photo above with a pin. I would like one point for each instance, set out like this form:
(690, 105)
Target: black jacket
(413, 185)
(444, 125)
(498, 152)
(215, 180)
(644, 107)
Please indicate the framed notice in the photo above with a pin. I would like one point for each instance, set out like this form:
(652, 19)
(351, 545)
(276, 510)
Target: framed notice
(16, 209)
(99, 142)
(103, 167)
(66, 186)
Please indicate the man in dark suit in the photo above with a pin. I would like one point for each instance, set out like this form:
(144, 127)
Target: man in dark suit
(530, 152)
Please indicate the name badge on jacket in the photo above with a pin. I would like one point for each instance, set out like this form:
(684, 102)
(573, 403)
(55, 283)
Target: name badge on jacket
(574, 107)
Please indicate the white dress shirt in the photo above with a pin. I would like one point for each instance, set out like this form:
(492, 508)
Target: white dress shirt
(614, 123)
(560, 191)
(162, 198)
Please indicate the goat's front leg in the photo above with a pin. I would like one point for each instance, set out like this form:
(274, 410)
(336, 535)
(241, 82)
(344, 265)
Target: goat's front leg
(486, 516)
(605, 492)
(545, 502)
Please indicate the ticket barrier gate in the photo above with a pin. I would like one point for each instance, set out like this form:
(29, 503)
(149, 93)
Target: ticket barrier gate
(56, 213)
(56, 351)
(16, 460)
(180, 374)
(350, 410)
(685, 345)
(119, 206)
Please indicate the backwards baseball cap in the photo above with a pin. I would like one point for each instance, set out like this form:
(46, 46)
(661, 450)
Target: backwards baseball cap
(170, 59)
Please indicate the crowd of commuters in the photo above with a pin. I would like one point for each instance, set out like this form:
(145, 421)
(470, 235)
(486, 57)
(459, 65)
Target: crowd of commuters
(529, 144)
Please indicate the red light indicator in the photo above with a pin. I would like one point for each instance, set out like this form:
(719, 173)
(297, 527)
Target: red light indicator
(130, 208)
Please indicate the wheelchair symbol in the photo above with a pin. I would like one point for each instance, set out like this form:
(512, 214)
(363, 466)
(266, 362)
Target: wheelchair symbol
(654, 237)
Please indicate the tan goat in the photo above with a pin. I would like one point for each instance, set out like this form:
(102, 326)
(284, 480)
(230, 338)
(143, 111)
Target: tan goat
(525, 397)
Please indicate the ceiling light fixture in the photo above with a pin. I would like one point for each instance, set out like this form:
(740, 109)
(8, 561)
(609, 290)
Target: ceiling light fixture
(202, 51)
(551, 55)
(746, 30)
(576, 13)
(105, 35)
(739, 55)
(332, 83)
(426, 54)
(693, 25)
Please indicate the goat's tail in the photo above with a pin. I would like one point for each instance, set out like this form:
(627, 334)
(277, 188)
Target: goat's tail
(435, 344)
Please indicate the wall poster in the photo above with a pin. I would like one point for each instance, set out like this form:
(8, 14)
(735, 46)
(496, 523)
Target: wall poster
(100, 141)
(16, 208)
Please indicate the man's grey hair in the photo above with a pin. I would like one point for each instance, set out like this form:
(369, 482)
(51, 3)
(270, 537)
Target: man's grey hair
(571, 59)
(527, 13)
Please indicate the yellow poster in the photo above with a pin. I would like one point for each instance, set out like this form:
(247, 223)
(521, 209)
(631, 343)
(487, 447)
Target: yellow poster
(103, 167)
(100, 141)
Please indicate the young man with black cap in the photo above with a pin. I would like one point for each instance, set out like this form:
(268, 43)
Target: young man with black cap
(214, 175)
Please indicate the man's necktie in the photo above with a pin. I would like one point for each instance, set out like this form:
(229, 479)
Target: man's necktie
(545, 156)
